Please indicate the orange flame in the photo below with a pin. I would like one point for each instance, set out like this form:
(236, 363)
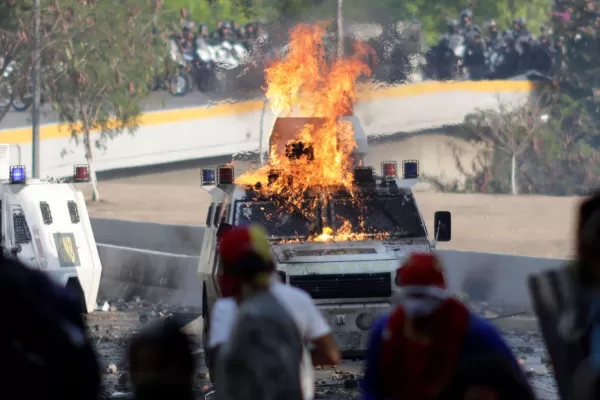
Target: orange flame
(305, 83)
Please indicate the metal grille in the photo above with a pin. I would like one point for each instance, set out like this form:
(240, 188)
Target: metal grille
(380, 214)
(282, 221)
(282, 276)
(209, 214)
(22, 233)
(345, 285)
(46, 213)
(73, 211)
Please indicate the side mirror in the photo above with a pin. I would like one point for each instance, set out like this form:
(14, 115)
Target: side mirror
(442, 222)
(223, 227)
(16, 250)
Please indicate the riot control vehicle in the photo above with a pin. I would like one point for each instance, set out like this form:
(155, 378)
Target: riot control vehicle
(342, 246)
(45, 225)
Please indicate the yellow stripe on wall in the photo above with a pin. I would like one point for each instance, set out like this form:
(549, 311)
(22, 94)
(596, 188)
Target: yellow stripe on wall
(370, 92)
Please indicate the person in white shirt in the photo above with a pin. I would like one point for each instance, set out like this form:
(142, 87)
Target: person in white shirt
(237, 244)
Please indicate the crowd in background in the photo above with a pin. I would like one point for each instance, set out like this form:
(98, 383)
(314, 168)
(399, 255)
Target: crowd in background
(224, 31)
(467, 51)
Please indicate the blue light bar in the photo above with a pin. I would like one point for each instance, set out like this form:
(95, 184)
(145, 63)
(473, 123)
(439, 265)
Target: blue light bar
(209, 176)
(17, 174)
(410, 169)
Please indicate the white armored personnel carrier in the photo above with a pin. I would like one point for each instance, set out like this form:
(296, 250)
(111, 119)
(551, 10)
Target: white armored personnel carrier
(45, 225)
(351, 279)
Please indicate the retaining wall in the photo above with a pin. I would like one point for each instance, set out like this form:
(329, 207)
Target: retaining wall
(159, 263)
(153, 276)
(494, 278)
(174, 239)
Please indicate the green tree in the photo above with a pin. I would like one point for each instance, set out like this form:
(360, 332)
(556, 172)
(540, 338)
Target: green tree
(104, 60)
(578, 78)
(510, 130)
(15, 36)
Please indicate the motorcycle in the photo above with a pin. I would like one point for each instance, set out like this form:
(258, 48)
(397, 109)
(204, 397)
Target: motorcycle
(458, 46)
(23, 99)
(204, 69)
(178, 83)
(6, 92)
(227, 64)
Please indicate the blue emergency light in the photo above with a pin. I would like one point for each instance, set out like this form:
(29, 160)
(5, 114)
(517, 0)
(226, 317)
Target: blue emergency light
(209, 176)
(410, 169)
(17, 174)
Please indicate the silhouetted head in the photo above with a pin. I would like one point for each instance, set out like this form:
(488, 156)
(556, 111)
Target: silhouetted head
(245, 260)
(43, 341)
(161, 362)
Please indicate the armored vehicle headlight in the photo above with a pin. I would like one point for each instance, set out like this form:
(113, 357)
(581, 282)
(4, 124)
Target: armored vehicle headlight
(365, 321)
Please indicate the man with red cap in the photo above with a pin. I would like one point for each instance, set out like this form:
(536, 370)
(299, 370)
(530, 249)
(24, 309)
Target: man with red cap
(266, 357)
(416, 350)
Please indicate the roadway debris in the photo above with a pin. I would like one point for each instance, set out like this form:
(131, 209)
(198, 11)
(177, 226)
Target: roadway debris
(111, 331)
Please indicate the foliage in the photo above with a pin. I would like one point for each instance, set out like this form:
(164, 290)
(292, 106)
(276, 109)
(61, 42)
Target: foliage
(556, 161)
(13, 42)
(433, 15)
(103, 58)
(579, 79)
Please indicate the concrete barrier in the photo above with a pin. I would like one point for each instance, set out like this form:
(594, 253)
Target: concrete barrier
(494, 278)
(153, 276)
(211, 131)
(185, 240)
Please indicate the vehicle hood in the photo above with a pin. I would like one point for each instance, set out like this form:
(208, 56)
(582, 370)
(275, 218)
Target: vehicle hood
(294, 253)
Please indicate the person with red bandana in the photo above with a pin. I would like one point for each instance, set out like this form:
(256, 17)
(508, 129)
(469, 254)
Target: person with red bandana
(266, 355)
(417, 349)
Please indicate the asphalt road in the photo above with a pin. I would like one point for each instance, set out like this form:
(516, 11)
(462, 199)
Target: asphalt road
(161, 100)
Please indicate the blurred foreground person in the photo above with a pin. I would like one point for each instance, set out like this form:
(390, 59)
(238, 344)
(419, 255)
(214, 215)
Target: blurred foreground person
(415, 350)
(487, 378)
(266, 356)
(222, 319)
(567, 303)
(161, 363)
(43, 341)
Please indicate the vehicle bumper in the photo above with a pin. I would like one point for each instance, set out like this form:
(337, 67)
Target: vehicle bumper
(351, 323)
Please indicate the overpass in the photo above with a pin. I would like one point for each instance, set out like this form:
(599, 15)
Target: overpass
(197, 127)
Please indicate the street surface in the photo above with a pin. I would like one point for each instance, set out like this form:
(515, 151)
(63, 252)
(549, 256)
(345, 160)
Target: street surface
(111, 331)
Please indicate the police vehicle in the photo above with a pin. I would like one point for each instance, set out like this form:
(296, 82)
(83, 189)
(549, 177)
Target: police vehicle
(352, 280)
(45, 225)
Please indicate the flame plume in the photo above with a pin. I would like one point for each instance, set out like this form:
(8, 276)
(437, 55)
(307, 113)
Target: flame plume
(305, 83)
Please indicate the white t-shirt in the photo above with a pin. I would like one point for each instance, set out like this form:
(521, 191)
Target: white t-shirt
(302, 309)
(311, 325)
(221, 321)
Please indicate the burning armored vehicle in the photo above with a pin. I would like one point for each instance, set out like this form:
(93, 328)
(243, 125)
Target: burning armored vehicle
(339, 242)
